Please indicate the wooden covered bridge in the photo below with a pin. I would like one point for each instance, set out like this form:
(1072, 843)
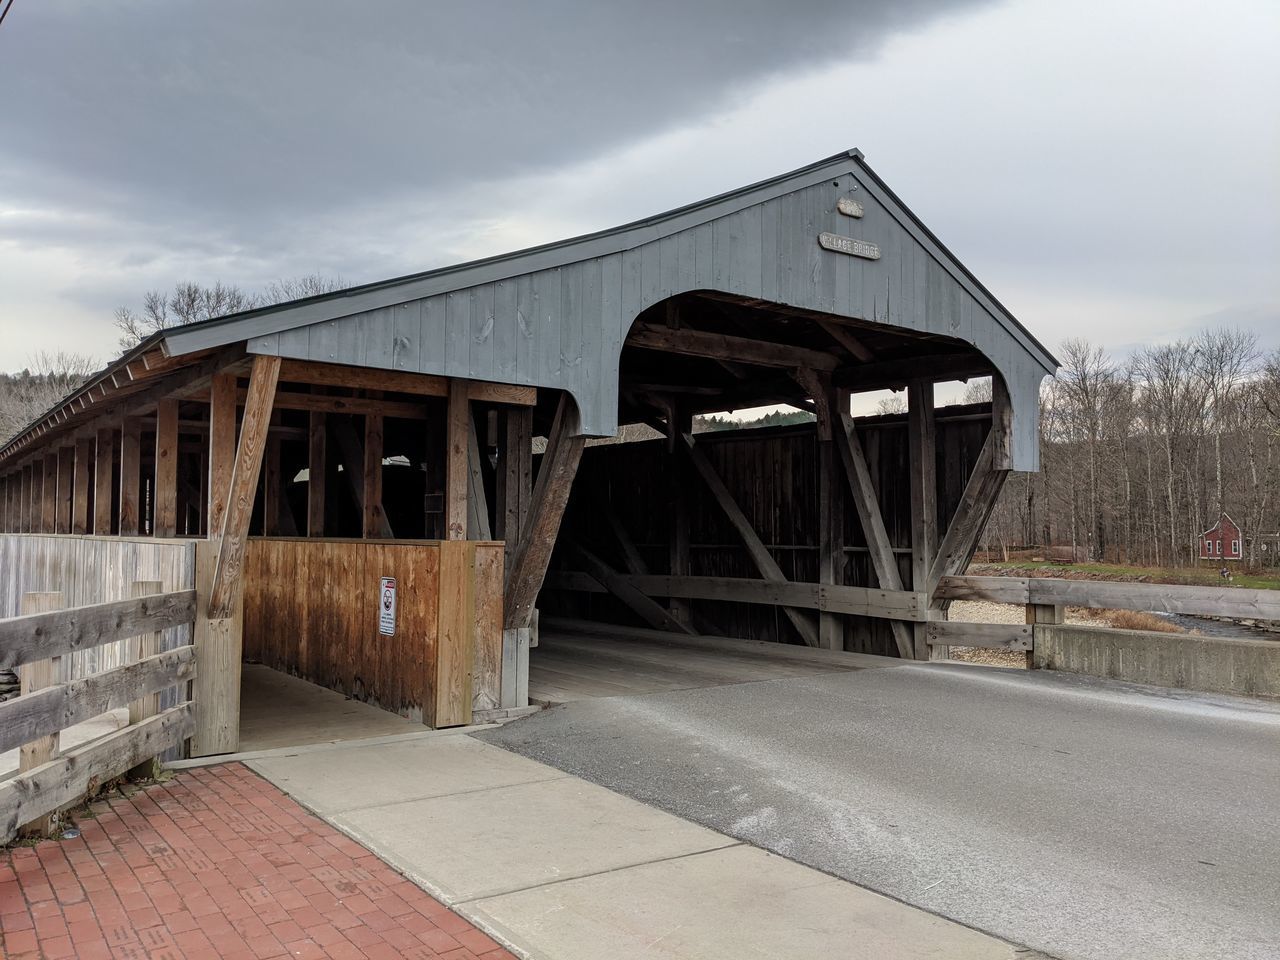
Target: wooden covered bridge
(284, 463)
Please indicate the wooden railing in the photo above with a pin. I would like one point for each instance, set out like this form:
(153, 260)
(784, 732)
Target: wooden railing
(49, 779)
(1045, 599)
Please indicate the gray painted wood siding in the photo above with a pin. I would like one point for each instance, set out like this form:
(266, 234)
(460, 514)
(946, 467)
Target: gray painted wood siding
(563, 325)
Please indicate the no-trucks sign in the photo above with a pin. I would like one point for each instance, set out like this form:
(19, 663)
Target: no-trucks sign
(387, 607)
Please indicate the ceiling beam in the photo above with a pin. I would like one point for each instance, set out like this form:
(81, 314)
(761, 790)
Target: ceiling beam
(719, 346)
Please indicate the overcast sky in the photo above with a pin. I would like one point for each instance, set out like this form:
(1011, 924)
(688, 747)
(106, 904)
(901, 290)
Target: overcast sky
(1109, 169)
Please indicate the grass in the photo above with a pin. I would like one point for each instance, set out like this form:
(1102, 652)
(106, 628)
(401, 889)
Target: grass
(1206, 576)
(1133, 620)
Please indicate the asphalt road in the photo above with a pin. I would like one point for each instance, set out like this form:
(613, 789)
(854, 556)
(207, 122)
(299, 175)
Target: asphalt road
(1083, 818)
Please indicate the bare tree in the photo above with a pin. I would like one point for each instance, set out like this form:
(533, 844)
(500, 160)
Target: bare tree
(189, 302)
(50, 377)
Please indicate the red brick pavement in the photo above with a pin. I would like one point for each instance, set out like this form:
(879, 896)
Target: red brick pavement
(218, 863)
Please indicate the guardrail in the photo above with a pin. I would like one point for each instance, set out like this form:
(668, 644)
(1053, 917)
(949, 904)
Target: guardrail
(48, 779)
(1045, 599)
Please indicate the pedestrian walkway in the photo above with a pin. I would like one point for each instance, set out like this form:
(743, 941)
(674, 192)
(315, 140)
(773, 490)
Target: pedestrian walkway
(217, 863)
(562, 869)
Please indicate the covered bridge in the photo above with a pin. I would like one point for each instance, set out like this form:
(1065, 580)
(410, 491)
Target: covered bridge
(298, 456)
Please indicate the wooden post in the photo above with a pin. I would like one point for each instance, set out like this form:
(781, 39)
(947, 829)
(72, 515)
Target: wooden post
(49, 494)
(215, 691)
(679, 423)
(1045, 614)
(317, 476)
(222, 449)
(83, 454)
(515, 479)
(225, 585)
(103, 469)
(450, 689)
(271, 492)
(66, 476)
(477, 500)
(32, 677)
(921, 438)
(457, 474)
(831, 558)
(374, 515)
(130, 477)
(883, 559)
(165, 492)
(145, 645)
(546, 509)
(219, 565)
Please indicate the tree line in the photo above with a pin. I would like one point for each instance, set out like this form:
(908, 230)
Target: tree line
(51, 376)
(1139, 456)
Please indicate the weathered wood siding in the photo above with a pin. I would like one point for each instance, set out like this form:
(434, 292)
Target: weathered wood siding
(90, 570)
(558, 316)
(311, 609)
(772, 474)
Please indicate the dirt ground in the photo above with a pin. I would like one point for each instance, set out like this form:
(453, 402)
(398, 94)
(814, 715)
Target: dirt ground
(981, 611)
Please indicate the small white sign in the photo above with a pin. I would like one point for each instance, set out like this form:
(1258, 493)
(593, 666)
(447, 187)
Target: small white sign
(850, 208)
(387, 607)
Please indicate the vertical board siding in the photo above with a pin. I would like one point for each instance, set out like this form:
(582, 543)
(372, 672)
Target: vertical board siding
(311, 610)
(772, 474)
(563, 326)
(89, 570)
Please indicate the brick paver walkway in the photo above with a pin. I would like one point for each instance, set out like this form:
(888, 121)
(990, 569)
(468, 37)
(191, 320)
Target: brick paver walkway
(218, 863)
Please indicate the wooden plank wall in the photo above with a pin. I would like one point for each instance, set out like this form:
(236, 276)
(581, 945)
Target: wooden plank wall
(771, 473)
(89, 570)
(311, 610)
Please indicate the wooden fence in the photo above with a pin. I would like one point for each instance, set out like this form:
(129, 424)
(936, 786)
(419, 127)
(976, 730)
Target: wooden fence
(311, 608)
(1046, 598)
(92, 570)
(34, 643)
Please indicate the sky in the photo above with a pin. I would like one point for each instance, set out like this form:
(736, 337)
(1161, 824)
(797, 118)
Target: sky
(1110, 170)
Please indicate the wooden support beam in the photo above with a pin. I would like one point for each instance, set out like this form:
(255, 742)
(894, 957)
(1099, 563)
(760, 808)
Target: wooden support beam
(164, 494)
(638, 603)
(225, 587)
(922, 462)
(66, 476)
(457, 471)
(272, 508)
(842, 336)
(679, 423)
(514, 479)
(103, 473)
(546, 509)
(719, 346)
(400, 381)
(756, 550)
(80, 486)
(976, 503)
(375, 517)
(317, 473)
(130, 477)
(897, 373)
(991, 636)
(865, 501)
(478, 527)
(49, 494)
(32, 677)
(827, 598)
(222, 449)
(356, 406)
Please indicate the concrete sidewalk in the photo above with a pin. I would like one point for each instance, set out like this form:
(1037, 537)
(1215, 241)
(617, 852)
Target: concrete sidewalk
(560, 868)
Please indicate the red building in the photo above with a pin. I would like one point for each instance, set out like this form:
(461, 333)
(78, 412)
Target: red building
(1222, 541)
